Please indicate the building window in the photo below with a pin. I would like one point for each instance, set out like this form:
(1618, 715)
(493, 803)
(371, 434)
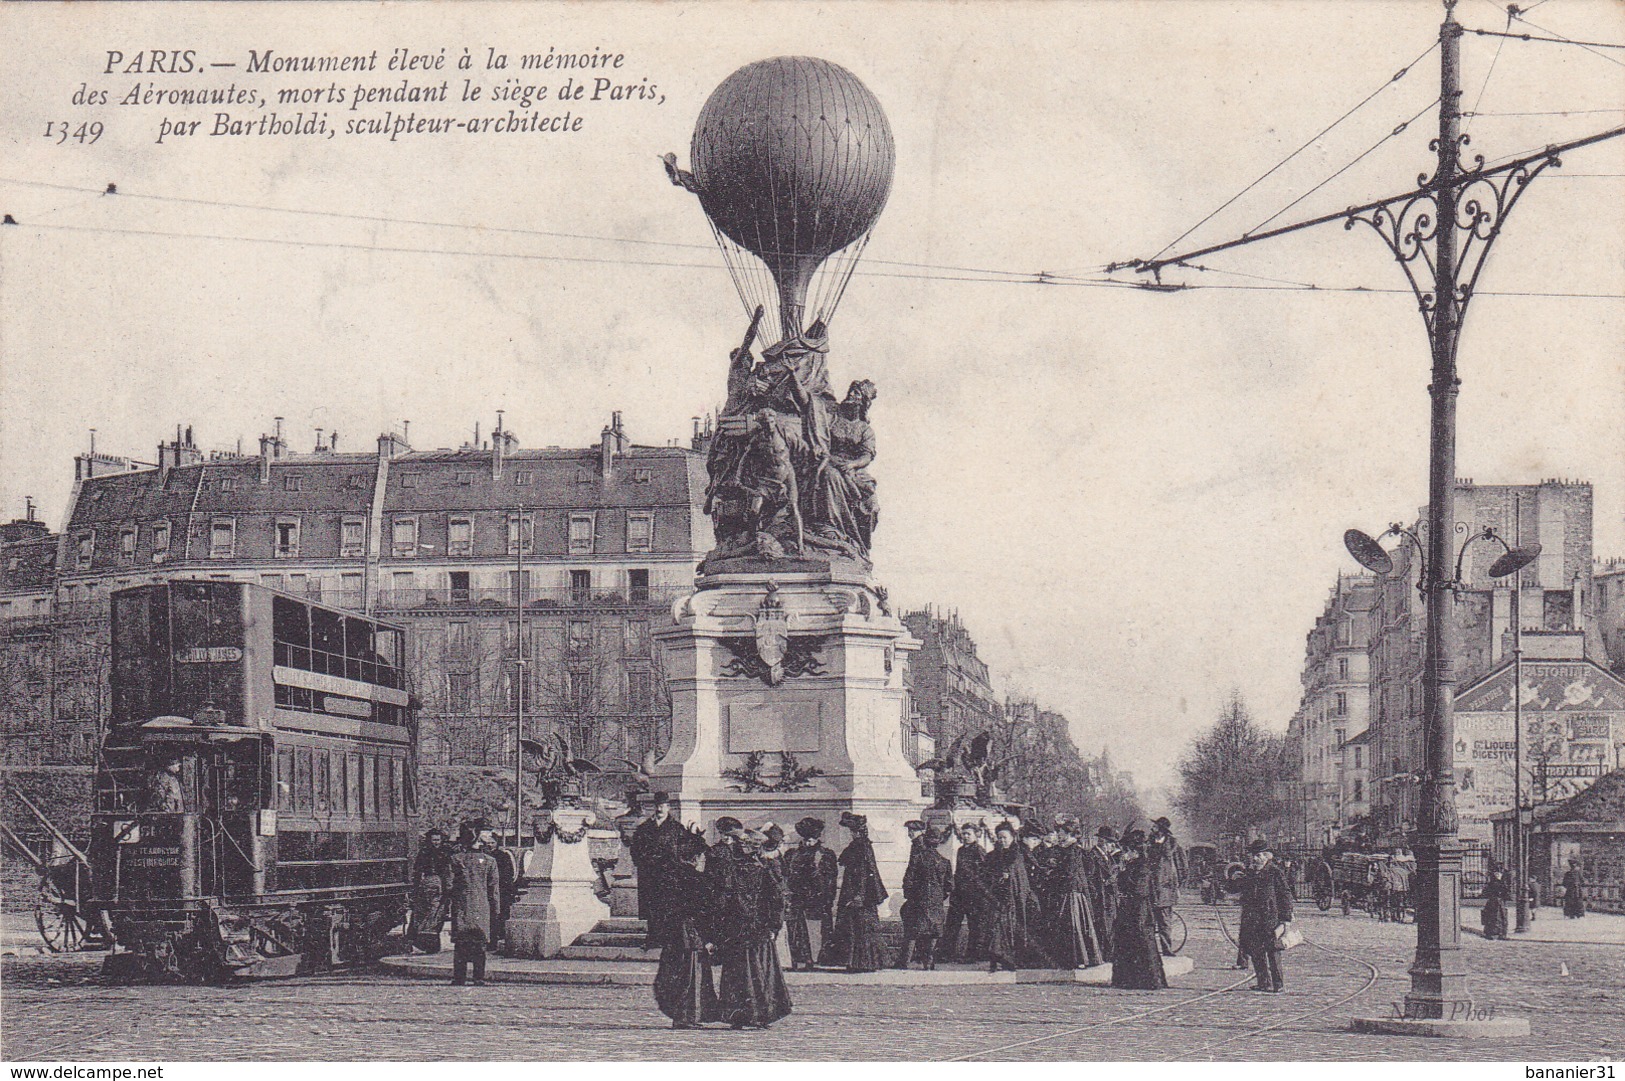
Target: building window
(637, 586)
(126, 544)
(521, 531)
(640, 532)
(409, 480)
(583, 476)
(353, 538)
(1342, 668)
(160, 538)
(403, 584)
(637, 637)
(639, 690)
(271, 581)
(356, 480)
(351, 586)
(579, 637)
(465, 480)
(522, 477)
(228, 484)
(578, 688)
(641, 476)
(1340, 707)
(458, 581)
(518, 582)
(581, 538)
(1359, 790)
(580, 585)
(293, 482)
(223, 538)
(460, 691)
(1357, 757)
(404, 538)
(304, 585)
(460, 538)
(287, 538)
(87, 550)
(457, 638)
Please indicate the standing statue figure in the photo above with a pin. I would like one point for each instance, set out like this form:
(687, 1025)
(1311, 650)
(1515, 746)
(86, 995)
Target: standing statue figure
(789, 464)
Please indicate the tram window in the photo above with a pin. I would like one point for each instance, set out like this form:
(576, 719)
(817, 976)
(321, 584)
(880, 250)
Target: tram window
(301, 780)
(395, 802)
(324, 783)
(327, 642)
(360, 662)
(290, 629)
(354, 783)
(372, 781)
(387, 645)
(341, 793)
(284, 780)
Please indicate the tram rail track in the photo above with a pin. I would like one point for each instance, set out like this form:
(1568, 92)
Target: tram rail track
(1370, 977)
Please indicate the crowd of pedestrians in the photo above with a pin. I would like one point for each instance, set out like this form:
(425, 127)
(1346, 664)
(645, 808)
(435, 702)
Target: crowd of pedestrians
(728, 916)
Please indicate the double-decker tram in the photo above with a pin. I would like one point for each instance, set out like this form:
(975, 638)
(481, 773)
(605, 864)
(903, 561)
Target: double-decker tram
(256, 791)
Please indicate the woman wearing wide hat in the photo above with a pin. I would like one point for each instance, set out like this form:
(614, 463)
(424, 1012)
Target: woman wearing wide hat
(857, 906)
(1136, 949)
(749, 914)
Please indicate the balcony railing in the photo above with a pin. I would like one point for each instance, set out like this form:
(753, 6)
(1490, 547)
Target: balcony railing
(535, 598)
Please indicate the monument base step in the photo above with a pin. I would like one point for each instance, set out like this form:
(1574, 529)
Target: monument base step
(607, 953)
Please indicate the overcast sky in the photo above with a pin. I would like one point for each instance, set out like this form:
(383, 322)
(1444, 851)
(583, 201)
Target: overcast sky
(1133, 499)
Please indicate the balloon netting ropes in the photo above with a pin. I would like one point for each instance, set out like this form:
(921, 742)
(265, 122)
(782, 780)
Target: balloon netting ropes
(756, 286)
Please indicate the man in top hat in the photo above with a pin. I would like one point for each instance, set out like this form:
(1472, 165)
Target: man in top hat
(654, 846)
(476, 905)
(1168, 860)
(1266, 910)
(811, 881)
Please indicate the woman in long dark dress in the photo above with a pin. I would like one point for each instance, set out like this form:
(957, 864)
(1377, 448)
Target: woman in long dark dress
(1136, 950)
(1497, 892)
(1073, 942)
(749, 914)
(1010, 901)
(926, 886)
(1574, 898)
(857, 904)
(684, 987)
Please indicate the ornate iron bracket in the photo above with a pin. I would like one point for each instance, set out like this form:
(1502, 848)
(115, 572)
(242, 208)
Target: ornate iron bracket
(1408, 225)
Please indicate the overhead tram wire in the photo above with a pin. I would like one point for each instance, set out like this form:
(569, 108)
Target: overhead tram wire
(1558, 40)
(1035, 279)
(1590, 47)
(1496, 59)
(1157, 264)
(493, 229)
(1396, 77)
(1399, 130)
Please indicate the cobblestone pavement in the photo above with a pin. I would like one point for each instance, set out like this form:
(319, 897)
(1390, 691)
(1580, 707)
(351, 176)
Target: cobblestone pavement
(1572, 994)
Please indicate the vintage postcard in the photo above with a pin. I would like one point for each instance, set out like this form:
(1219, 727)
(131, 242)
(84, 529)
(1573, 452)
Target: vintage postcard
(881, 531)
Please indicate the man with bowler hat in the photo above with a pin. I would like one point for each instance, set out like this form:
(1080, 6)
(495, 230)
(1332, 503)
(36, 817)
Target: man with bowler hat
(654, 845)
(476, 902)
(1168, 861)
(1266, 910)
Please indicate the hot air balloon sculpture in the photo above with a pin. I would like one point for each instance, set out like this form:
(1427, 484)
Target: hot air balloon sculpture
(792, 162)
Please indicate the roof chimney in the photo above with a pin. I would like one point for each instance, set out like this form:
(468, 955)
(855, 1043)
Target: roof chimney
(497, 436)
(612, 444)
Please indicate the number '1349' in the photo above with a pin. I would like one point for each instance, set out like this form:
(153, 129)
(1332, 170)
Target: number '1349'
(62, 131)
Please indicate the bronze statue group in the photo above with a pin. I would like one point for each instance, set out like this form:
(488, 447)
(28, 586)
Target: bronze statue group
(728, 916)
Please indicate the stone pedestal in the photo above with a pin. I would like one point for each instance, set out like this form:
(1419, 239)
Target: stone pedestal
(799, 669)
(559, 903)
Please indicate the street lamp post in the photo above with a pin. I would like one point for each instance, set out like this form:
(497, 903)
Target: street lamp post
(1438, 975)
